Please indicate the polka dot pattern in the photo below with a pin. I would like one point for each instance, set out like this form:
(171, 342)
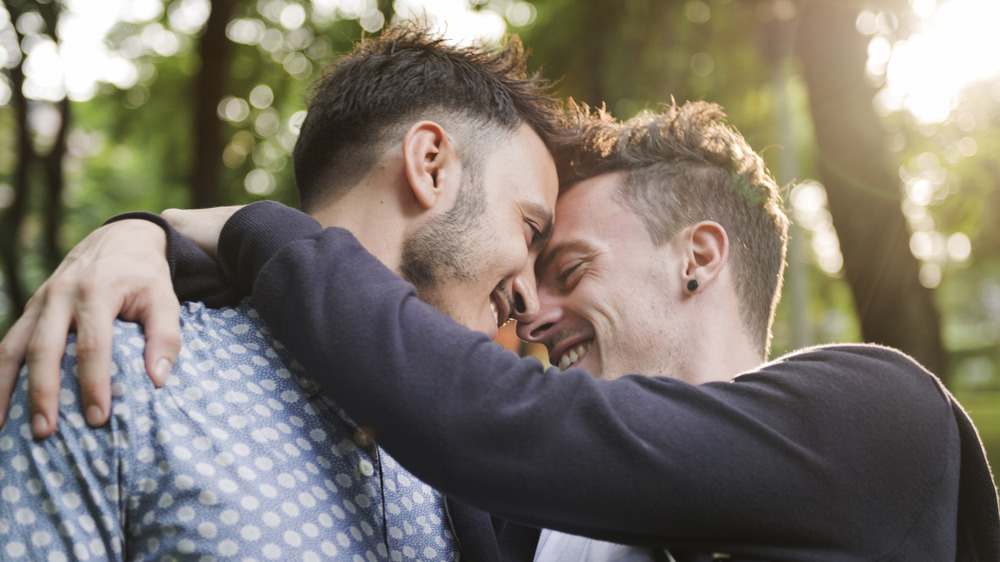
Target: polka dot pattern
(239, 456)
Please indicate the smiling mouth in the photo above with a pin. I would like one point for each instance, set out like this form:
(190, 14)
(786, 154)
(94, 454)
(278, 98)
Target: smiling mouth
(500, 307)
(574, 354)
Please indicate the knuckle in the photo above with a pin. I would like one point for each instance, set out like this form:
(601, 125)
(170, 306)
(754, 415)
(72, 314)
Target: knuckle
(38, 348)
(93, 385)
(172, 342)
(38, 298)
(88, 288)
(88, 344)
(42, 392)
(43, 388)
(58, 285)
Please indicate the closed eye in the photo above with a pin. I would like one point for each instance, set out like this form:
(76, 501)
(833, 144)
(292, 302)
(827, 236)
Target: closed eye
(536, 233)
(539, 219)
(564, 277)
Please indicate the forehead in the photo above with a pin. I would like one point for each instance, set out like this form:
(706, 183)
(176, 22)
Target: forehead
(522, 167)
(590, 206)
(590, 218)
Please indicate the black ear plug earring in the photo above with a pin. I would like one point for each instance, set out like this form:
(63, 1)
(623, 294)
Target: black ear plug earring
(693, 285)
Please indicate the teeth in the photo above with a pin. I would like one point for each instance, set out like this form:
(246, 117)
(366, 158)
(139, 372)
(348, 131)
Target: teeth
(573, 355)
(496, 313)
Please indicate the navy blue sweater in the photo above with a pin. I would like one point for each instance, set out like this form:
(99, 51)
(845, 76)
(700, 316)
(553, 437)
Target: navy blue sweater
(831, 453)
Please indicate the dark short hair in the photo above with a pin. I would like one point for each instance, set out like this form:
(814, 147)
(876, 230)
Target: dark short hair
(685, 165)
(372, 95)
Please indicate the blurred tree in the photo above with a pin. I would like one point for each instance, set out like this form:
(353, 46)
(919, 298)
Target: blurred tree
(213, 51)
(34, 158)
(863, 188)
(13, 216)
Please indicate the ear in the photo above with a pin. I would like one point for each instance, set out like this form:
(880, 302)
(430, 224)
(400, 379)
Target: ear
(707, 252)
(430, 158)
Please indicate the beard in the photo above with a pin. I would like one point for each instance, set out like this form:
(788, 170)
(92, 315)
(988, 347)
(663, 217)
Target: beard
(448, 246)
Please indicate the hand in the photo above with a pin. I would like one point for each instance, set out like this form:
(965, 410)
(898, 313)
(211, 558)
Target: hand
(118, 270)
(203, 226)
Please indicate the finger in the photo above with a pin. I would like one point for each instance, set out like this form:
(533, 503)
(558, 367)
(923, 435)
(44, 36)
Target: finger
(163, 337)
(94, 327)
(44, 358)
(12, 350)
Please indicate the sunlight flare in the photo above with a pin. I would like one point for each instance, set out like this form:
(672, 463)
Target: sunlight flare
(954, 45)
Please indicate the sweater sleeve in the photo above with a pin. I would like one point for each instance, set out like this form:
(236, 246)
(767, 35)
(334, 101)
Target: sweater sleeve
(195, 274)
(795, 453)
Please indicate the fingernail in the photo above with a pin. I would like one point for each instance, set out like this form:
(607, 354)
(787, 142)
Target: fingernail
(39, 424)
(163, 367)
(94, 416)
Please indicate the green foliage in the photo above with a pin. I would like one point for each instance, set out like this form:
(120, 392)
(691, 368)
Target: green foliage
(131, 148)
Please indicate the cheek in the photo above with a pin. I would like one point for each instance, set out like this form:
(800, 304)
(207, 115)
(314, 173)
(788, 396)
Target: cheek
(591, 302)
(611, 306)
(512, 254)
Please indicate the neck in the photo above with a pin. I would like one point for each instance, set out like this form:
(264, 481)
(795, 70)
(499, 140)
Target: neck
(721, 348)
(725, 355)
(375, 211)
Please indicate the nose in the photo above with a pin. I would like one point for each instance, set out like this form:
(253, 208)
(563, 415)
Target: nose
(525, 295)
(536, 326)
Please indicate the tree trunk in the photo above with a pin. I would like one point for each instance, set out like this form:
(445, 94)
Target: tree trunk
(863, 188)
(52, 163)
(13, 216)
(209, 87)
(55, 183)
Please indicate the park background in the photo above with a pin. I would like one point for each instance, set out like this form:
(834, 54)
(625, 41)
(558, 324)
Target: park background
(879, 118)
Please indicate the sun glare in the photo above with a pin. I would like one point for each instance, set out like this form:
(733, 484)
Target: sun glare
(74, 67)
(955, 44)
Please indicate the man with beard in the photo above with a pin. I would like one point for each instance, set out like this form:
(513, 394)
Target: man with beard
(437, 159)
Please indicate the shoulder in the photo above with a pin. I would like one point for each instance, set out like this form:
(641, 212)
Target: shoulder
(855, 366)
(209, 337)
(857, 385)
(854, 353)
(233, 348)
(225, 352)
(866, 389)
(226, 336)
